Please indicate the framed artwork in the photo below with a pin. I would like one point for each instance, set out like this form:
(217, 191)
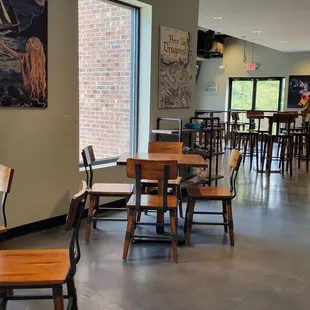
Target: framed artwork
(211, 87)
(298, 89)
(23, 53)
(175, 68)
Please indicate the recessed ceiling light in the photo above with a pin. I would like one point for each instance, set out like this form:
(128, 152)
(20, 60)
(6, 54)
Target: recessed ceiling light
(256, 31)
(217, 17)
(284, 42)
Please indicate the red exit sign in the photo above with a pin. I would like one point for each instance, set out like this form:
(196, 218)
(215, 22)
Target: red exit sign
(251, 66)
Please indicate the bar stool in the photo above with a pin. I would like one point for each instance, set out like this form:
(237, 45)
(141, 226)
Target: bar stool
(302, 144)
(250, 137)
(284, 138)
(233, 125)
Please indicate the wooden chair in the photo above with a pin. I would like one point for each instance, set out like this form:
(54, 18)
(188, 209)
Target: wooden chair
(167, 148)
(6, 178)
(152, 170)
(98, 190)
(33, 269)
(214, 193)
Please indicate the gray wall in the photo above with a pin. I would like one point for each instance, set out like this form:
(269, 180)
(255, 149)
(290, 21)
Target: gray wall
(272, 63)
(42, 145)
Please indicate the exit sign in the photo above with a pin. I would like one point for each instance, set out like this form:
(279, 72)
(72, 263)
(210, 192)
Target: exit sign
(251, 66)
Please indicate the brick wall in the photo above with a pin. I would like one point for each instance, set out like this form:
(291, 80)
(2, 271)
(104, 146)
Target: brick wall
(104, 64)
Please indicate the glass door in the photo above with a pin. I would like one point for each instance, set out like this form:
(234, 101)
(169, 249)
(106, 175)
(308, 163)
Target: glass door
(268, 95)
(242, 96)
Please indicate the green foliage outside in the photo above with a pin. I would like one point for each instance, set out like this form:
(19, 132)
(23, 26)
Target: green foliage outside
(267, 95)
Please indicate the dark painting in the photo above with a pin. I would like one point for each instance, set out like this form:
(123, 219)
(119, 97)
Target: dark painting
(298, 91)
(23, 53)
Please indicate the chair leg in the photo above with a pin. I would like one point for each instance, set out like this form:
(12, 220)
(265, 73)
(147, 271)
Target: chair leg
(257, 151)
(282, 154)
(147, 190)
(174, 235)
(189, 221)
(253, 143)
(133, 226)
(307, 152)
(269, 155)
(179, 195)
(290, 154)
(264, 151)
(72, 294)
(3, 300)
(96, 211)
(239, 143)
(225, 215)
(138, 216)
(89, 217)
(230, 223)
(58, 297)
(300, 150)
(246, 147)
(128, 236)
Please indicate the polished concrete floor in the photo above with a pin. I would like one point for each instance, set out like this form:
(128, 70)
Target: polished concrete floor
(269, 267)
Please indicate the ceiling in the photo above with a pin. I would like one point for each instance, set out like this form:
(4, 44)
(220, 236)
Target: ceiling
(283, 24)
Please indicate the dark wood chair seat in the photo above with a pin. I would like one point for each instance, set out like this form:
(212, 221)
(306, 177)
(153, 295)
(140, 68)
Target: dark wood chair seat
(210, 192)
(110, 189)
(153, 202)
(34, 267)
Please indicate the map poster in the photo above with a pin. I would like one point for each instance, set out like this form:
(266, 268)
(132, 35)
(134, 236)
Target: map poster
(175, 68)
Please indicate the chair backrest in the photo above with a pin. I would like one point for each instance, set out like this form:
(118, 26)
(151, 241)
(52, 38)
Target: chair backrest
(284, 118)
(165, 147)
(235, 116)
(234, 163)
(254, 114)
(6, 178)
(73, 222)
(153, 170)
(89, 158)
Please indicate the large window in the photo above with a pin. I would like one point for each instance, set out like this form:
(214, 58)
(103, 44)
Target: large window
(264, 94)
(108, 60)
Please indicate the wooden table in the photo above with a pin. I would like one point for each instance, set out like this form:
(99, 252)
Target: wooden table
(184, 160)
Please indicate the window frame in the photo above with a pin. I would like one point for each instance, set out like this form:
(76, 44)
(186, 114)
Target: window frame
(134, 83)
(255, 80)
